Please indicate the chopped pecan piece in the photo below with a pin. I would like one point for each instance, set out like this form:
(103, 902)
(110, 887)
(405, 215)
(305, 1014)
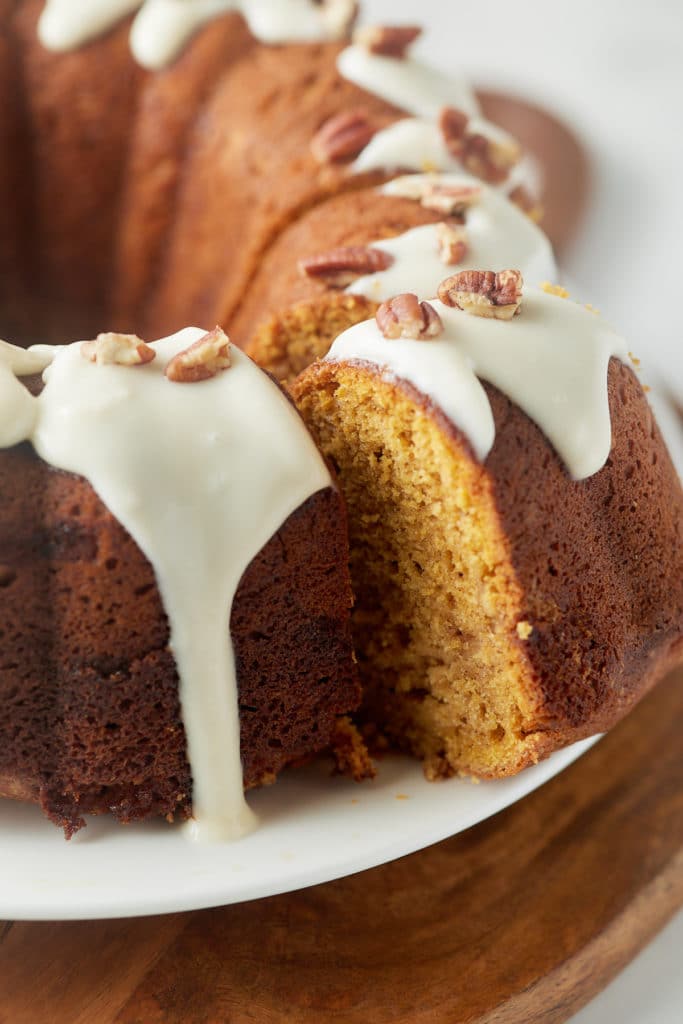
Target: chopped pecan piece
(206, 358)
(343, 136)
(529, 204)
(341, 267)
(405, 316)
(387, 40)
(484, 293)
(451, 200)
(453, 125)
(452, 240)
(112, 349)
(488, 158)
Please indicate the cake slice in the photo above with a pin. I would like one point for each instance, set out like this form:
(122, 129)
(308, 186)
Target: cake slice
(516, 524)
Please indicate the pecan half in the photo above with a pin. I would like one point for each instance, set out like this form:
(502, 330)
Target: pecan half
(453, 125)
(405, 316)
(452, 242)
(387, 40)
(206, 358)
(341, 267)
(112, 349)
(527, 203)
(484, 293)
(343, 136)
(451, 200)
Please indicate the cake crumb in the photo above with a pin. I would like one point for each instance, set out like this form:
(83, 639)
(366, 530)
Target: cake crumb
(592, 309)
(634, 359)
(350, 753)
(524, 630)
(402, 796)
(555, 289)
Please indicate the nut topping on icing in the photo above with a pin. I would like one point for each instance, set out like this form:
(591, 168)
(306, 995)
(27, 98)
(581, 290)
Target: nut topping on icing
(527, 203)
(343, 136)
(489, 158)
(484, 293)
(387, 40)
(206, 358)
(341, 267)
(452, 240)
(405, 316)
(452, 200)
(117, 349)
(453, 125)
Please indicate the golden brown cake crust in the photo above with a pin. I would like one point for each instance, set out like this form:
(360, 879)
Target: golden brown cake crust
(250, 172)
(125, 172)
(88, 686)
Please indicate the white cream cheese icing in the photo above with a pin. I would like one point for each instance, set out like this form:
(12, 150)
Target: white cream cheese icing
(551, 360)
(163, 27)
(406, 82)
(499, 235)
(201, 475)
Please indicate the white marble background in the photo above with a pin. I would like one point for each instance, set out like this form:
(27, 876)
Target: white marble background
(613, 70)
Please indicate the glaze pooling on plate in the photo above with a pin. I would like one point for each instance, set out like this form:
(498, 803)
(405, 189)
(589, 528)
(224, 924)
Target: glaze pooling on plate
(499, 235)
(162, 28)
(551, 360)
(201, 476)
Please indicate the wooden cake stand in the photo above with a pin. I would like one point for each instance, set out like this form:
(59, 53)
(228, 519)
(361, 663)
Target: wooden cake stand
(521, 919)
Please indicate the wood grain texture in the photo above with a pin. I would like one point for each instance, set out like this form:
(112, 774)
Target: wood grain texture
(521, 919)
(561, 158)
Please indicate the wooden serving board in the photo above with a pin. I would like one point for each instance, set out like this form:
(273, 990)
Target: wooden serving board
(521, 919)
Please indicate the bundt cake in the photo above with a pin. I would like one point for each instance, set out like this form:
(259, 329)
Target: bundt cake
(182, 463)
(152, 152)
(173, 547)
(144, 199)
(515, 521)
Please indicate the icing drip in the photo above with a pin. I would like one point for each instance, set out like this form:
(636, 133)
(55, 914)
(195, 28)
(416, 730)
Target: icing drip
(415, 143)
(162, 28)
(551, 360)
(68, 24)
(290, 21)
(407, 83)
(499, 235)
(202, 476)
(18, 408)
